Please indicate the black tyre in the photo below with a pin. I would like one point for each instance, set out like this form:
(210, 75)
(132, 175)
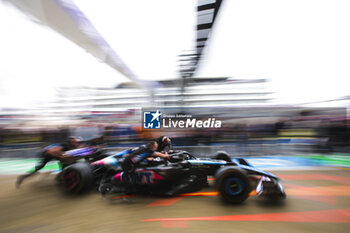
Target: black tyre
(232, 184)
(222, 155)
(76, 178)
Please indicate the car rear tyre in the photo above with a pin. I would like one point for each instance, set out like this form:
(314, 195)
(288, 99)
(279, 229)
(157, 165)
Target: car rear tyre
(76, 178)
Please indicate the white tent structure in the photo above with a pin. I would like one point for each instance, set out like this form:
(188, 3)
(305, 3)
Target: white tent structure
(64, 17)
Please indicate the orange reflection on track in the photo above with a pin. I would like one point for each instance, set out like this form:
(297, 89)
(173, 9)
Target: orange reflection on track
(325, 216)
(123, 196)
(199, 194)
(252, 193)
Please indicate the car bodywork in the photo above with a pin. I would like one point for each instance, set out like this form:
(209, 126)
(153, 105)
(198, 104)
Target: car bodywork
(183, 172)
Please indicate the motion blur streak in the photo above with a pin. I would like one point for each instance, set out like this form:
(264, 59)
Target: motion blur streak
(330, 216)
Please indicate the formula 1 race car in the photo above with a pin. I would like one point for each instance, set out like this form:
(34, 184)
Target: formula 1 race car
(183, 172)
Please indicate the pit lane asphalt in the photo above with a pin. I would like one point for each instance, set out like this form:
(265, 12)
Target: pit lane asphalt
(318, 201)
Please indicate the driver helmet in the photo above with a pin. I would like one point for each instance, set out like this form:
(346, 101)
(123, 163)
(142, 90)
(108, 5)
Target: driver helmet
(166, 138)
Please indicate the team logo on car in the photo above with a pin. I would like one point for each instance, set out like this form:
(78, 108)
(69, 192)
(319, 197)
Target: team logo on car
(152, 120)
